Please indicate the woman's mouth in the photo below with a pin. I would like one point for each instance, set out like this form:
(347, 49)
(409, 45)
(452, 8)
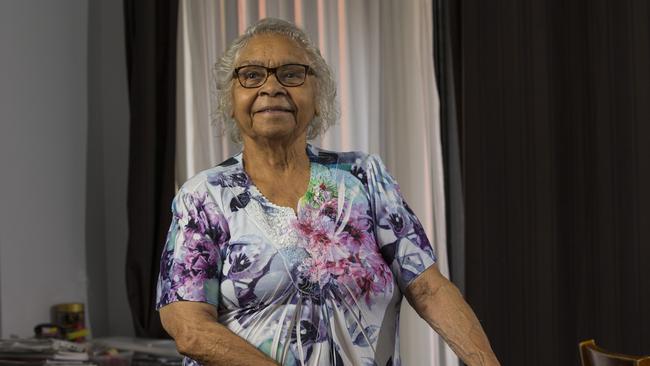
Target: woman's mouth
(275, 110)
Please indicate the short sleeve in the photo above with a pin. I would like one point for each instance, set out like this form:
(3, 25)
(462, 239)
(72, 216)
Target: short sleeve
(400, 235)
(191, 261)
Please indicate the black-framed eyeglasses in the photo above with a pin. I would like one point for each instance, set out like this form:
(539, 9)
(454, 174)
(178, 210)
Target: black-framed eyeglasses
(254, 76)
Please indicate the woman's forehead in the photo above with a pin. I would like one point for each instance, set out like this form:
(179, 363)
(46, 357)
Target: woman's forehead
(271, 50)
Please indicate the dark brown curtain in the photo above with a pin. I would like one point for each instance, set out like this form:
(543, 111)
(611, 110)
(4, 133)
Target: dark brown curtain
(555, 106)
(151, 53)
(446, 80)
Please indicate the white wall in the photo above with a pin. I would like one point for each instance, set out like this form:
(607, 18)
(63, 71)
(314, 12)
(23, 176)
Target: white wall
(63, 161)
(43, 114)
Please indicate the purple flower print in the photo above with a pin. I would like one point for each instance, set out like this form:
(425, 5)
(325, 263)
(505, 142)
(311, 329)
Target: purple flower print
(241, 262)
(201, 257)
(326, 294)
(248, 258)
(397, 219)
(199, 264)
(164, 292)
(308, 287)
(360, 174)
(200, 230)
(397, 223)
(421, 239)
(166, 263)
(191, 289)
(236, 179)
(204, 218)
(308, 333)
(240, 201)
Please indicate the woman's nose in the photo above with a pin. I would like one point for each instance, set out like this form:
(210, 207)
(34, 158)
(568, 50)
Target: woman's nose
(272, 86)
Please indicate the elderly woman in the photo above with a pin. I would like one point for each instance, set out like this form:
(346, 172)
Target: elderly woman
(289, 254)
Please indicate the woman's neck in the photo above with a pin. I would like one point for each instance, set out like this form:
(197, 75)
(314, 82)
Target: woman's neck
(266, 160)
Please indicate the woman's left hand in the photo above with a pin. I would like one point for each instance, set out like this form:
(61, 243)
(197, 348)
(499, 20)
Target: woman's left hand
(441, 304)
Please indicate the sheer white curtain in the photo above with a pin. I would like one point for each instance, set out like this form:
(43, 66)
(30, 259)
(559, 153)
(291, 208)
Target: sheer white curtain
(382, 55)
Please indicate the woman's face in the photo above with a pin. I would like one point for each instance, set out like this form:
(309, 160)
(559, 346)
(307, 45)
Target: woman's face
(273, 111)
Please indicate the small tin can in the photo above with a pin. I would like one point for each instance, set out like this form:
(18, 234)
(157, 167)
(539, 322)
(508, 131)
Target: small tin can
(70, 317)
(47, 330)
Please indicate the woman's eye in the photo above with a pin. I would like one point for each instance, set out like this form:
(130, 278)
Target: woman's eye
(293, 75)
(252, 75)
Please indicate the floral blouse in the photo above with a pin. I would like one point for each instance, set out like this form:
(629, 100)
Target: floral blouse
(321, 285)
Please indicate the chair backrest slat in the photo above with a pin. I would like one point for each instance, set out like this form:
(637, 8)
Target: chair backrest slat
(592, 355)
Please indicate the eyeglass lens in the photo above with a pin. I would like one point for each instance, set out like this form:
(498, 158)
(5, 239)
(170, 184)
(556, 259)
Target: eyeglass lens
(288, 75)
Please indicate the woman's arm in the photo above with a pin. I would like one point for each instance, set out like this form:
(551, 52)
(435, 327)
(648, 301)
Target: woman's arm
(194, 327)
(440, 303)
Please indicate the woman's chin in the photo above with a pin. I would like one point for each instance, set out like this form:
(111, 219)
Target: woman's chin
(274, 129)
(273, 134)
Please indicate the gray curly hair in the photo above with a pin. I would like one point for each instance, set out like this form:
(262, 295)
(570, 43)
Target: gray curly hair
(328, 111)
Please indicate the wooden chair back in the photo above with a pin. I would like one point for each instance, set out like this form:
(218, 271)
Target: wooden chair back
(592, 355)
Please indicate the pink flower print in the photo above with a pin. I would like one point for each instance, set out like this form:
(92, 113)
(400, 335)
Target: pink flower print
(367, 274)
(379, 270)
(319, 236)
(365, 285)
(304, 227)
(360, 221)
(308, 221)
(329, 210)
(353, 271)
(357, 233)
(368, 285)
(315, 269)
(338, 268)
(355, 237)
(322, 193)
(326, 245)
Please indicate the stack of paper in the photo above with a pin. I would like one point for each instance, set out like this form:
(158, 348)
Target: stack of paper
(147, 352)
(42, 352)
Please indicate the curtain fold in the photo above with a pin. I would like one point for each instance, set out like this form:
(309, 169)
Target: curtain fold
(151, 61)
(382, 55)
(410, 143)
(557, 142)
(454, 208)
